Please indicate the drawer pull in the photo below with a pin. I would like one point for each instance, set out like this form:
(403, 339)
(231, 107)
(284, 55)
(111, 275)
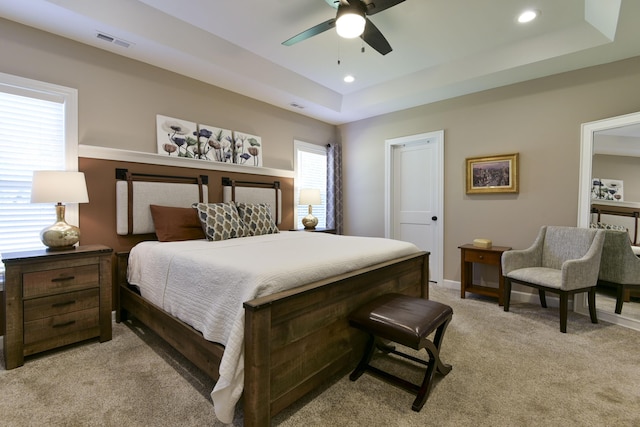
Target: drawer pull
(62, 325)
(481, 257)
(62, 279)
(62, 304)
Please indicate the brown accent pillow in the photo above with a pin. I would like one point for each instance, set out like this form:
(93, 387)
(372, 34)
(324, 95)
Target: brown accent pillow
(176, 224)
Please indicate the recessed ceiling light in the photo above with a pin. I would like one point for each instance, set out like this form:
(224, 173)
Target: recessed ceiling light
(528, 16)
(349, 78)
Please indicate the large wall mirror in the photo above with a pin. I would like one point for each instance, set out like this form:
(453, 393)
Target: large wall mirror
(610, 177)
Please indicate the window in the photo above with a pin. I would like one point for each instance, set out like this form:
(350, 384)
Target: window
(311, 172)
(38, 131)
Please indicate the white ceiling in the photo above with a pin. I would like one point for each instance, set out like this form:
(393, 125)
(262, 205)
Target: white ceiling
(441, 48)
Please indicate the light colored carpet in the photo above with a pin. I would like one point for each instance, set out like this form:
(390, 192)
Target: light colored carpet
(509, 369)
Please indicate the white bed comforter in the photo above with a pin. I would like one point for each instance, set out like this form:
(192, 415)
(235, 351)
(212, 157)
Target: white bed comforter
(204, 283)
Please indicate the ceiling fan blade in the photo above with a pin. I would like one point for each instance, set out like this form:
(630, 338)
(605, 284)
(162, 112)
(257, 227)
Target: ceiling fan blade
(375, 39)
(313, 31)
(375, 6)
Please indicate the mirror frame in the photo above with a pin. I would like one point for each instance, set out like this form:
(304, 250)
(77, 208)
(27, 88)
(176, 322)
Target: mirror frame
(580, 304)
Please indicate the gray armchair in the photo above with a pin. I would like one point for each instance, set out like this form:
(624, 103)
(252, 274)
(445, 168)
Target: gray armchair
(619, 266)
(562, 260)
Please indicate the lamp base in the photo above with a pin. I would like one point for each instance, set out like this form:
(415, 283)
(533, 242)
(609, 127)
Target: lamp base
(60, 236)
(309, 222)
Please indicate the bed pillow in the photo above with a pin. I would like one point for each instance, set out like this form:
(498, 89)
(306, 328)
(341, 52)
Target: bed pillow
(175, 224)
(257, 218)
(220, 221)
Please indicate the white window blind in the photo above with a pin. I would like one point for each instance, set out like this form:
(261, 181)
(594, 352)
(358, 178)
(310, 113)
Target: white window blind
(33, 136)
(311, 172)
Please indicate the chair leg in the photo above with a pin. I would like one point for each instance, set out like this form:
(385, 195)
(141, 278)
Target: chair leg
(543, 298)
(507, 293)
(564, 309)
(619, 298)
(592, 305)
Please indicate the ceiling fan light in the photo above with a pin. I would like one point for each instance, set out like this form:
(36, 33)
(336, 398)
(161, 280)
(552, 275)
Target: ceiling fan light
(350, 25)
(350, 22)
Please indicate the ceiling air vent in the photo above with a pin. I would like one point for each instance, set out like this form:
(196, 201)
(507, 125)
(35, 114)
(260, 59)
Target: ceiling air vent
(110, 39)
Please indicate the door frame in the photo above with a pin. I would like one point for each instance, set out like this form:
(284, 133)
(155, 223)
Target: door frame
(390, 144)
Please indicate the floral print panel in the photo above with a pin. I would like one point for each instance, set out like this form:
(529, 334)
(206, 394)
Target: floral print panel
(181, 138)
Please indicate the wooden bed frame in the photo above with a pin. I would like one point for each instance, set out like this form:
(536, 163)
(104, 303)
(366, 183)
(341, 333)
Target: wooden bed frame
(294, 340)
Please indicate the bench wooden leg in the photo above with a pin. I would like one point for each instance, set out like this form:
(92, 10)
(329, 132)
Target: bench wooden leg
(435, 364)
(366, 358)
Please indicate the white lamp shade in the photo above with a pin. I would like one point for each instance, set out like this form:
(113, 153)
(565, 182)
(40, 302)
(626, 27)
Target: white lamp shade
(350, 25)
(59, 187)
(310, 196)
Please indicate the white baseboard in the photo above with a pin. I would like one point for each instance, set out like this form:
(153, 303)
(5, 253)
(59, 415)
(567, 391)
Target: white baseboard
(516, 296)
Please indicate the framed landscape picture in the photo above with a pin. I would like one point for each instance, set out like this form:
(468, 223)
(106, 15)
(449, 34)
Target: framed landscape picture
(494, 174)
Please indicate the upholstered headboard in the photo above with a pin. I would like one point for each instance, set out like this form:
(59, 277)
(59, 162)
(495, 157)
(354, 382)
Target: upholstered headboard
(136, 192)
(254, 192)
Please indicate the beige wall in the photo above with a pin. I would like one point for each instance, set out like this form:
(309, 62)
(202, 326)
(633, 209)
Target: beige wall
(540, 119)
(119, 98)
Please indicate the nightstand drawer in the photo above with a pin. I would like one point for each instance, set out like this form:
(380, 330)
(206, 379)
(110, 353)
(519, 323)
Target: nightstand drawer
(58, 280)
(49, 328)
(39, 308)
(482, 257)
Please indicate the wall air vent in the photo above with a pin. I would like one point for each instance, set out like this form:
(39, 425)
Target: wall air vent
(110, 39)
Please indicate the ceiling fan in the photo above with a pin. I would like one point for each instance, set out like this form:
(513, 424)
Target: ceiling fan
(371, 35)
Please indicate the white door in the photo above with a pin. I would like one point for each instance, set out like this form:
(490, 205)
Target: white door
(414, 195)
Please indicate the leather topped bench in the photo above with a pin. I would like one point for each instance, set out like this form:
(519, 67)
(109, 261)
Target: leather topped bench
(408, 321)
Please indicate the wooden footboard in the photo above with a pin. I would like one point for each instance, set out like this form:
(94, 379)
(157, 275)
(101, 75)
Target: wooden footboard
(294, 340)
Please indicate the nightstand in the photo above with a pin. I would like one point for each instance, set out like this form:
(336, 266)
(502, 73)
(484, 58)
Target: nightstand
(469, 255)
(55, 298)
(318, 230)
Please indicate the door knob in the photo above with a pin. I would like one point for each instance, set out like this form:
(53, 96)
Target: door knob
(434, 218)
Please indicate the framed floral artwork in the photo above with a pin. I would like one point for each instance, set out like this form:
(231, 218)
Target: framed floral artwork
(181, 138)
(494, 174)
(247, 149)
(176, 137)
(607, 189)
(217, 143)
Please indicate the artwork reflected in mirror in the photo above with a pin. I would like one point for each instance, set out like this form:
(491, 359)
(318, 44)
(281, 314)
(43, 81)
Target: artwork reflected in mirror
(615, 200)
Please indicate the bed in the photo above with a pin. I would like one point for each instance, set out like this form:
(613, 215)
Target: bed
(292, 334)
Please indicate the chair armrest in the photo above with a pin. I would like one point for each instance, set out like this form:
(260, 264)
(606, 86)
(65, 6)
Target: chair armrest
(524, 258)
(583, 272)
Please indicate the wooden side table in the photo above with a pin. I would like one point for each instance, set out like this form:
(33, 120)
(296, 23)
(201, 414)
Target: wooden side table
(317, 230)
(469, 255)
(55, 298)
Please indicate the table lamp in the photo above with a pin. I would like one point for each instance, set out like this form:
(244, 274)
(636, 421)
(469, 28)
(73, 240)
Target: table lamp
(310, 196)
(59, 187)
